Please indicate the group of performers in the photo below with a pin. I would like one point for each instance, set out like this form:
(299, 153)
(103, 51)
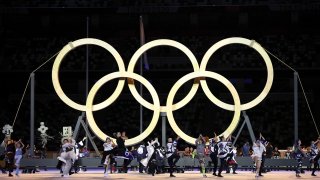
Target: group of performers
(151, 156)
(13, 155)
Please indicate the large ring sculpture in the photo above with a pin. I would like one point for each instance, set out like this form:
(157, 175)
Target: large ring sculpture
(199, 73)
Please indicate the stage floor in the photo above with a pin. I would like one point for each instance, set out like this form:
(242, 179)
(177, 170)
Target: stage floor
(97, 174)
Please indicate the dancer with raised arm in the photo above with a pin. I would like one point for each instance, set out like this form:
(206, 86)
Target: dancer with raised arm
(18, 156)
(200, 145)
(258, 149)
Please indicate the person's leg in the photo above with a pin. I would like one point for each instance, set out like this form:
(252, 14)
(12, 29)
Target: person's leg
(235, 167)
(299, 166)
(17, 163)
(258, 166)
(126, 163)
(214, 160)
(176, 158)
(170, 162)
(10, 163)
(315, 164)
(106, 165)
(222, 165)
(262, 165)
(202, 165)
(103, 157)
(67, 164)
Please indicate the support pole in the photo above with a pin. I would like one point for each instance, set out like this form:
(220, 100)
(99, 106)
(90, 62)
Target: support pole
(164, 121)
(143, 59)
(87, 73)
(32, 116)
(295, 110)
(247, 122)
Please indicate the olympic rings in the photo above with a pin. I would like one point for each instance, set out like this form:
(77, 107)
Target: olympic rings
(260, 50)
(199, 72)
(180, 82)
(56, 66)
(162, 42)
(106, 78)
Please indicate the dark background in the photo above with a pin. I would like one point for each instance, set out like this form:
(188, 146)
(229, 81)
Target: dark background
(31, 32)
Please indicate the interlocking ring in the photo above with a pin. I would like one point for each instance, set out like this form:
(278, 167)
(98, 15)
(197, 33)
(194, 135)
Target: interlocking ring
(260, 50)
(55, 73)
(199, 73)
(105, 79)
(163, 42)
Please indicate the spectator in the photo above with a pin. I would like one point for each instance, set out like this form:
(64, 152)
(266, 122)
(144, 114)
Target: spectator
(269, 151)
(276, 153)
(246, 149)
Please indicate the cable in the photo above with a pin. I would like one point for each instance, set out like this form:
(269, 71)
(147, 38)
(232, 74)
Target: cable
(24, 92)
(315, 124)
(25, 89)
(300, 82)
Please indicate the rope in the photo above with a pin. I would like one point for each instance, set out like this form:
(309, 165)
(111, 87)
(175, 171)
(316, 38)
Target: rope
(304, 94)
(24, 92)
(45, 62)
(25, 89)
(280, 60)
(315, 124)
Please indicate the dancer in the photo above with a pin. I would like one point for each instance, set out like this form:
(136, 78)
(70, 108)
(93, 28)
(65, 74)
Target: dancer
(214, 153)
(67, 155)
(172, 154)
(107, 151)
(231, 161)
(298, 155)
(258, 149)
(152, 163)
(121, 151)
(141, 154)
(315, 155)
(18, 156)
(157, 159)
(160, 154)
(222, 154)
(200, 145)
(10, 152)
(263, 158)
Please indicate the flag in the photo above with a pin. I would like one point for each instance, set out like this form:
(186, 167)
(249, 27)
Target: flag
(142, 42)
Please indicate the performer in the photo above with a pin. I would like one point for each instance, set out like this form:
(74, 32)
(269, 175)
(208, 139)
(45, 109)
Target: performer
(263, 159)
(172, 154)
(152, 163)
(10, 152)
(67, 155)
(315, 155)
(222, 154)
(160, 154)
(122, 151)
(214, 153)
(200, 145)
(298, 155)
(231, 161)
(141, 154)
(258, 149)
(107, 152)
(18, 156)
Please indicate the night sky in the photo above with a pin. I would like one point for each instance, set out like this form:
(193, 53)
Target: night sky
(32, 32)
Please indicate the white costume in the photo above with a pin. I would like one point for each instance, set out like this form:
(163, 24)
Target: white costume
(258, 151)
(67, 156)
